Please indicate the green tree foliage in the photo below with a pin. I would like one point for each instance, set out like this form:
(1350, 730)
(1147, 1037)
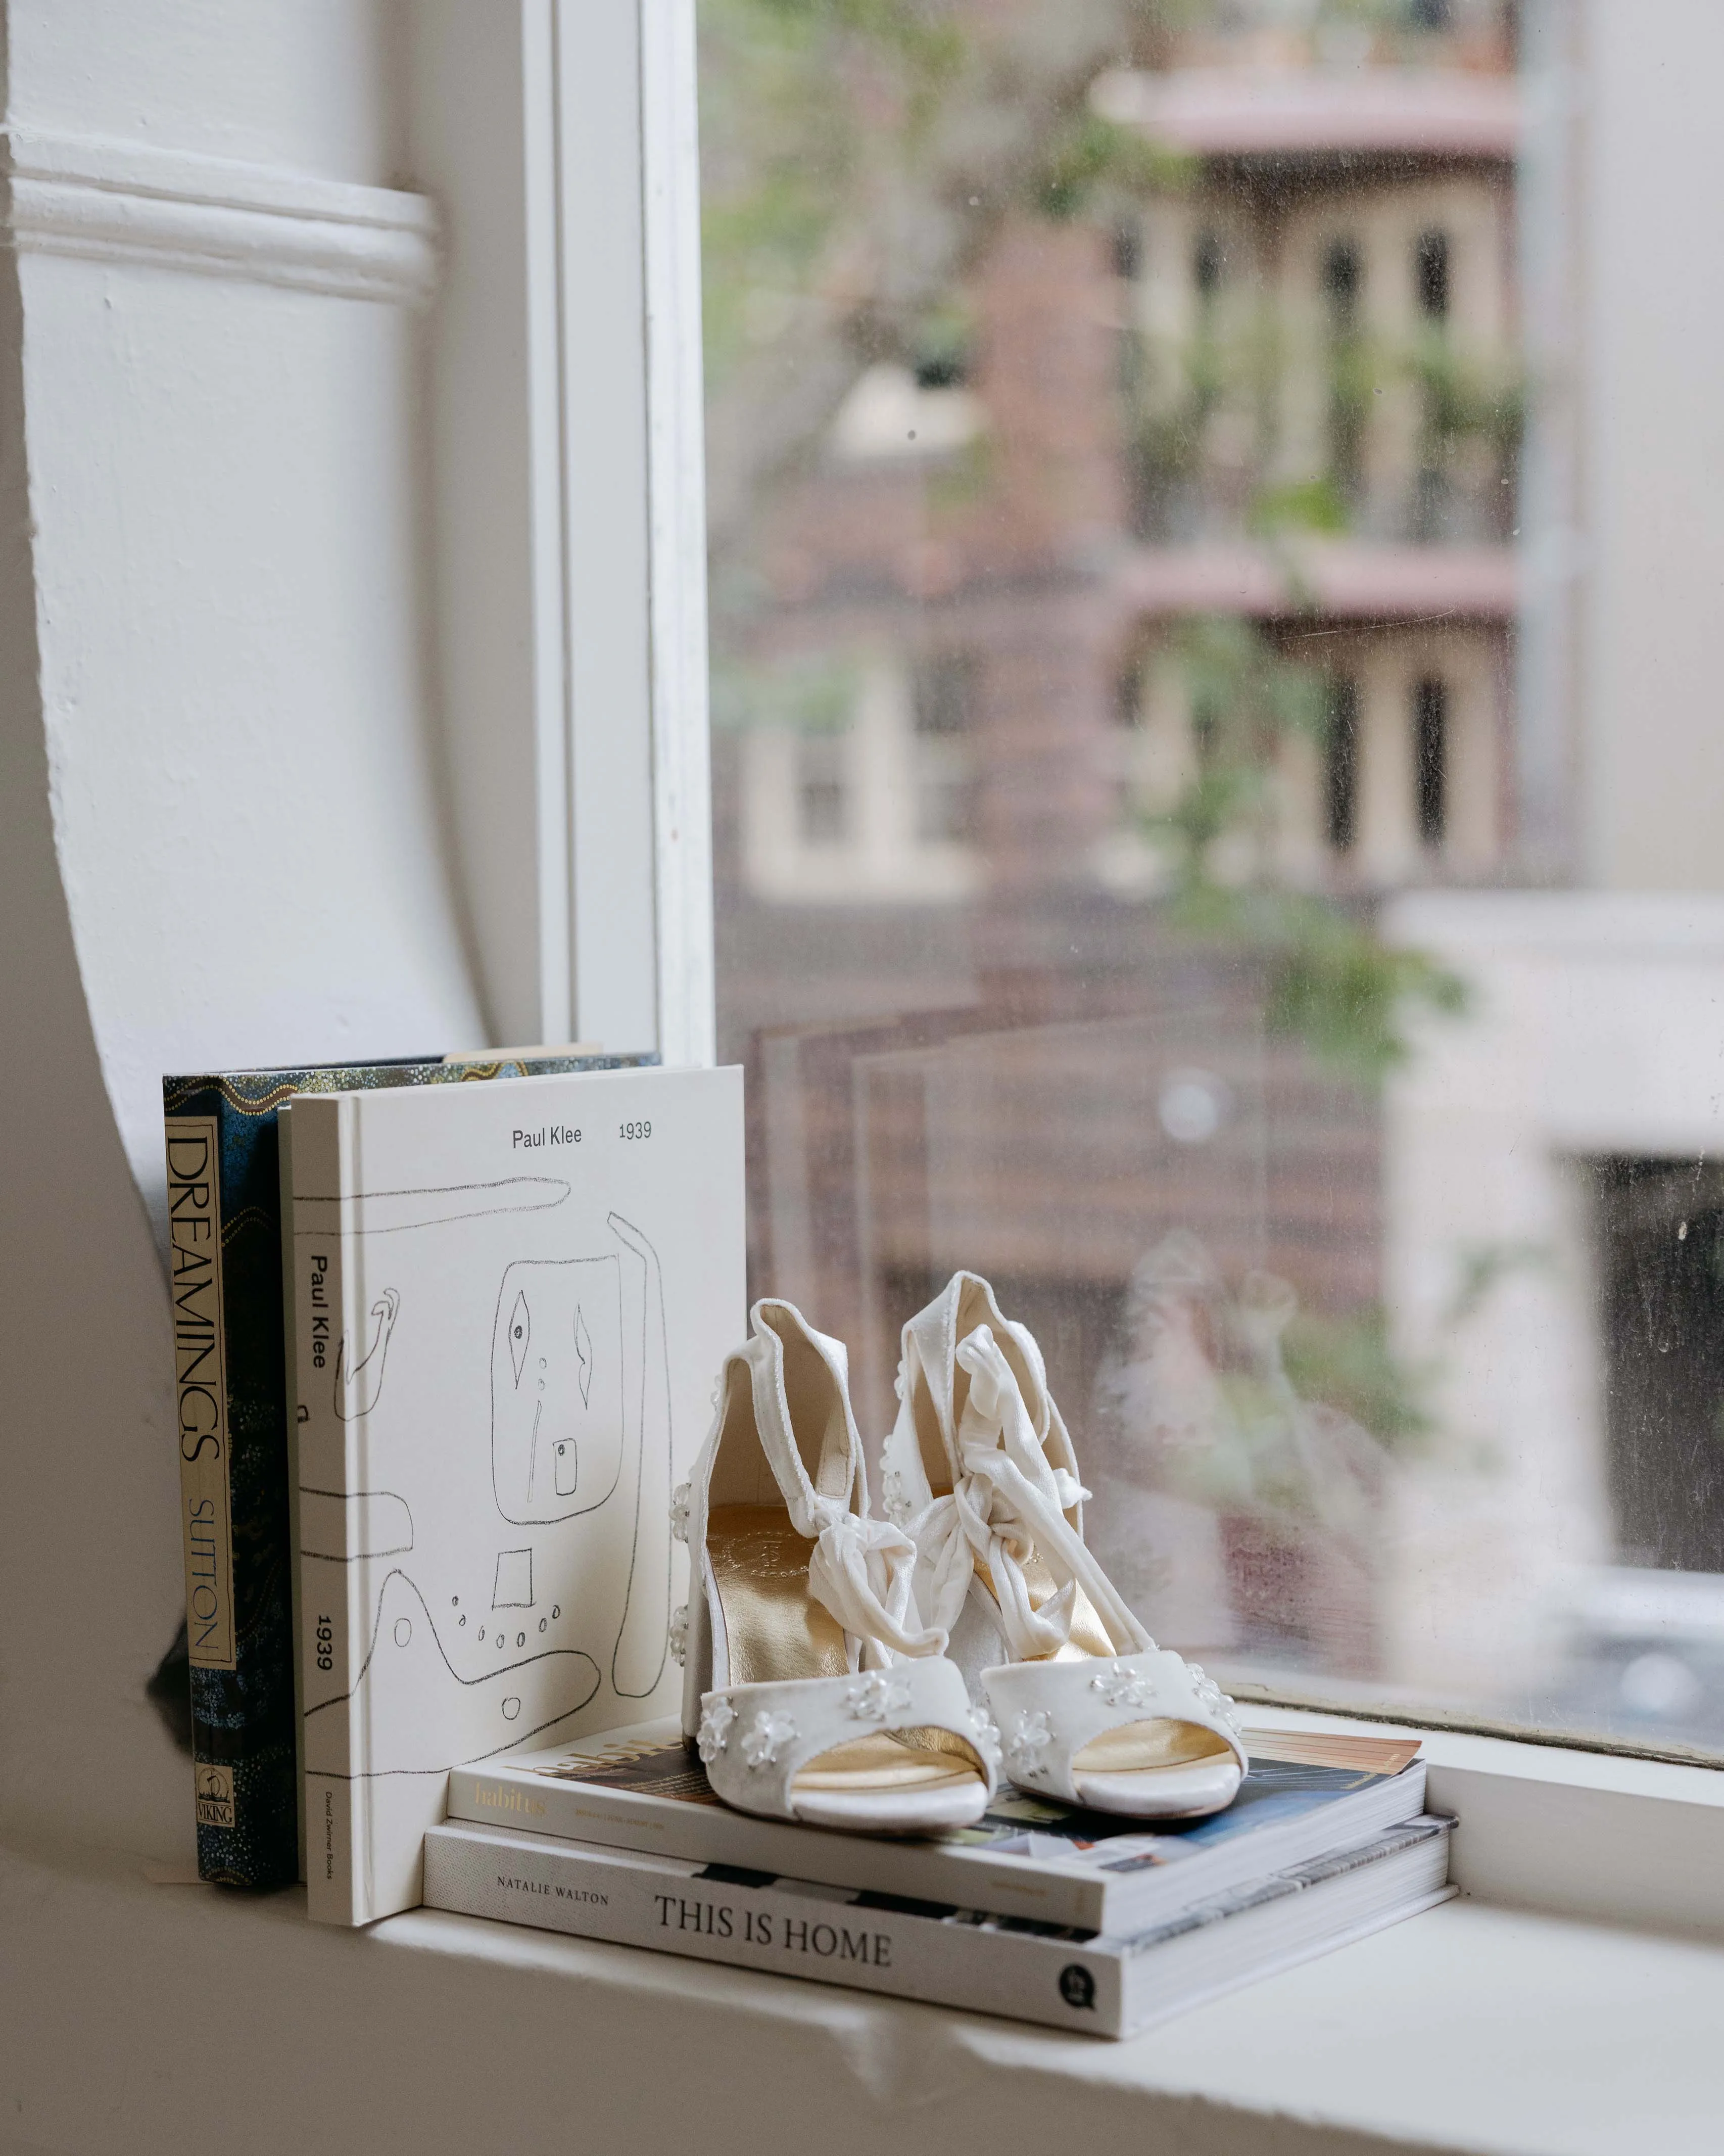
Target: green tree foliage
(1332, 984)
(859, 158)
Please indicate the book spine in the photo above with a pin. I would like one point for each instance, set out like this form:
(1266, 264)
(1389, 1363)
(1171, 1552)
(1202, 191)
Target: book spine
(290, 1396)
(325, 1286)
(776, 1926)
(223, 1233)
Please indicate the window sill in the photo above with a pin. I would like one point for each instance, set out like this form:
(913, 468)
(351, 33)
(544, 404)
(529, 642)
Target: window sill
(130, 2009)
(1592, 1835)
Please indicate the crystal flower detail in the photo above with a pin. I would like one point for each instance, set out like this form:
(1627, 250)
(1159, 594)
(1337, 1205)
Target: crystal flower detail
(1211, 1696)
(894, 1498)
(716, 1716)
(679, 1636)
(1120, 1686)
(875, 1697)
(679, 1497)
(984, 1736)
(1028, 1738)
(766, 1737)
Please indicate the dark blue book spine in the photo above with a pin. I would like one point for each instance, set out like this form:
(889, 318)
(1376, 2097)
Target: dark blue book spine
(225, 1256)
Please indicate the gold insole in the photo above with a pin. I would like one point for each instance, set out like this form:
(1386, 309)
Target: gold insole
(1137, 1747)
(776, 1629)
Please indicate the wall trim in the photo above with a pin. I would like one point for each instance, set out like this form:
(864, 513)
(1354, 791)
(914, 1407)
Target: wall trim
(111, 202)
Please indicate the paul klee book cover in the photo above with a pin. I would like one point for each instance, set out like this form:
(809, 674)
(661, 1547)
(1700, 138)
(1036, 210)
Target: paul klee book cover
(510, 1302)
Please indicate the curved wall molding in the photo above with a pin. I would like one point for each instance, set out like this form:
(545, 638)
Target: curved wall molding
(111, 201)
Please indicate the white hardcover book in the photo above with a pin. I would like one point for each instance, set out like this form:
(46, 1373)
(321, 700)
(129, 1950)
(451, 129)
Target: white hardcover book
(1308, 1793)
(1070, 1980)
(509, 1303)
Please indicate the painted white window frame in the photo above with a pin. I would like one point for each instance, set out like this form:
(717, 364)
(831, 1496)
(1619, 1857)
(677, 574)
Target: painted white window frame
(565, 411)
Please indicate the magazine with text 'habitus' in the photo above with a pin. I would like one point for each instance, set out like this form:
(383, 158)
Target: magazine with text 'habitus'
(509, 1303)
(1308, 1795)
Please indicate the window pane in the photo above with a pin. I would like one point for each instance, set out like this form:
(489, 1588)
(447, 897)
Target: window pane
(1215, 529)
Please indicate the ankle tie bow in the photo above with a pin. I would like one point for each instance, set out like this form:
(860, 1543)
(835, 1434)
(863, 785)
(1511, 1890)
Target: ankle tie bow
(1009, 1505)
(861, 1573)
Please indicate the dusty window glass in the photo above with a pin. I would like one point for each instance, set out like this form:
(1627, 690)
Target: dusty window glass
(1214, 529)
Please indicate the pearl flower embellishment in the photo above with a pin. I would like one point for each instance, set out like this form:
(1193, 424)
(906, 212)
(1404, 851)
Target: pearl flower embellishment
(679, 1636)
(1120, 1686)
(680, 1512)
(716, 1717)
(876, 1697)
(766, 1737)
(1211, 1696)
(1029, 1736)
(985, 1737)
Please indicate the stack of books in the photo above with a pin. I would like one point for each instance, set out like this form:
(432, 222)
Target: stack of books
(1040, 1913)
(444, 1349)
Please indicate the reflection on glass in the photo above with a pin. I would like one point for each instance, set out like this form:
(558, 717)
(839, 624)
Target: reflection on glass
(1145, 445)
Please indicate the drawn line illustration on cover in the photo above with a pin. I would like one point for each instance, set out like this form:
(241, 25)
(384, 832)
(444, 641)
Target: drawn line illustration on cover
(392, 1212)
(578, 1388)
(644, 1637)
(580, 1425)
(555, 1451)
(412, 1696)
(357, 1389)
(348, 1528)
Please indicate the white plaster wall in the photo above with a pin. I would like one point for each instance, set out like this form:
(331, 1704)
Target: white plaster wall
(225, 491)
(309, 85)
(221, 818)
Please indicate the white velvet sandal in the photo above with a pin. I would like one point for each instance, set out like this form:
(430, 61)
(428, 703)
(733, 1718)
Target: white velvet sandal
(980, 1471)
(811, 1688)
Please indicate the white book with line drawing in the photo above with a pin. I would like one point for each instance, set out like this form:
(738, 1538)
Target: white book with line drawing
(508, 1303)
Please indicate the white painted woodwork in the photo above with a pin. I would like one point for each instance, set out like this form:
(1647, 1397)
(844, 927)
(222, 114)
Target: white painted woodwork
(107, 202)
(1474, 2027)
(570, 564)
(1652, 444)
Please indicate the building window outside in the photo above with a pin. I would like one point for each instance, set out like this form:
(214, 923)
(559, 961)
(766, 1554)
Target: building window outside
(1352, 1419)
(1430, 257)
(1430, 759)
(1341, 770)
(1342, 277)
(944, 695)
(1341, 285)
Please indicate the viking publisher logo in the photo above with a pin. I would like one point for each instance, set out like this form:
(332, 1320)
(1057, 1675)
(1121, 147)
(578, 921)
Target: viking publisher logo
(215, 1795)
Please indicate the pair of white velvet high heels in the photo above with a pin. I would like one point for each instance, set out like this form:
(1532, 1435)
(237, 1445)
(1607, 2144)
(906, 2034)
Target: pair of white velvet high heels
(880, 1673)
